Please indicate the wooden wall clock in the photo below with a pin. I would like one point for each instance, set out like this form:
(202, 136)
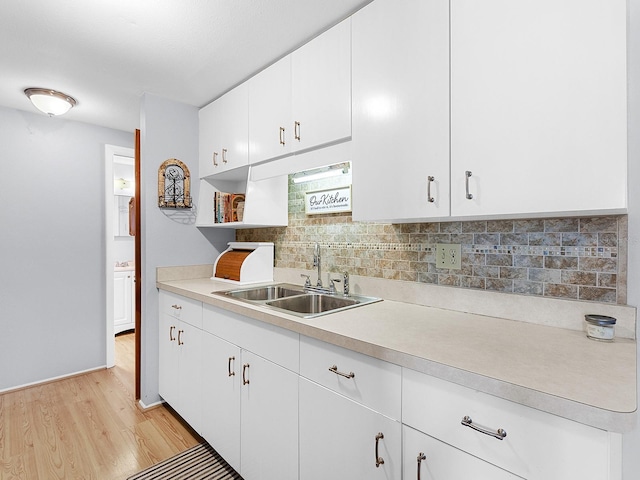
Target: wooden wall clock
(174, 185)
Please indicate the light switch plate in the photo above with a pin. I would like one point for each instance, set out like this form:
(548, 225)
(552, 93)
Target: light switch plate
(448, 255)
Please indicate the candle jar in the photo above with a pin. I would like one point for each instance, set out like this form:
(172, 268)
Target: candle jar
(600, 327)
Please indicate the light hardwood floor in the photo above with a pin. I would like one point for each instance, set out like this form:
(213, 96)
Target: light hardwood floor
(86, 427)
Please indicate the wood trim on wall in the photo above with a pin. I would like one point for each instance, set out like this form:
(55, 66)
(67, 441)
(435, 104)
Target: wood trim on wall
(138, 263)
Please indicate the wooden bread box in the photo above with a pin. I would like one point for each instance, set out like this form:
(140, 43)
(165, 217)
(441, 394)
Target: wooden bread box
(245, 262)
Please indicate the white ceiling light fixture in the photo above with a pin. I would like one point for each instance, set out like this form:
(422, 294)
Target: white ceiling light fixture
(50, 101)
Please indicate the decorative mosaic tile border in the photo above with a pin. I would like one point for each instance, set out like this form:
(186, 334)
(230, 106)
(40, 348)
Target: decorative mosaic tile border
(573, 258)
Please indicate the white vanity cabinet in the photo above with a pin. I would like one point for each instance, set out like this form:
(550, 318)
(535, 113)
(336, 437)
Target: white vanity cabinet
(401, 110)
(180, 356)
(535, 446)
(349, 414)
(536, 123)
(123, 301)
(223, 132)
(254, 415)
(302, 101)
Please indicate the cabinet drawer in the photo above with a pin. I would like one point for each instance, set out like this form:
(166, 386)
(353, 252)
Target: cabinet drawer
(426, 458)
(537, 444)
(268, 341)
(375, 383)
(183, 308)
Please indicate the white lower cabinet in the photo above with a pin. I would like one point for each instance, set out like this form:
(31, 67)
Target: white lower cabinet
(342, 439)
(425, 458)
(250, 403)
(279, 406)
(269, 420)
(180, 356)
(536, 445)
(221, 383)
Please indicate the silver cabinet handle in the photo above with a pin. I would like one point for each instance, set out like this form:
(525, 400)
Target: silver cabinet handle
(430, 179)
(180, 332)
(499, 433)
(421, 456)
(334, 369)
(224, 155)
(379, 459)
(245, 380)
(281, 135)
(296, 130)
(215, 156)
(171, 329)
(467, 174)
(231, 373)
(177, 307)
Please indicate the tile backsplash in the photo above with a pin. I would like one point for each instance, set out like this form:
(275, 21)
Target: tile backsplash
(574, 258)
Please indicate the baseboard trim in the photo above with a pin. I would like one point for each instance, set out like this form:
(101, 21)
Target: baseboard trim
(145, 408)
(51, 380)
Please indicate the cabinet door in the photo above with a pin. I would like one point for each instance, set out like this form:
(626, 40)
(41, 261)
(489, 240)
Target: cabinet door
(538, 106)
(321, 72)
(189, 406)
(224, 130)
(121, 299)
(401, 110)
(269, 418)
(168, 359)
(270, 127)
(207, 140)
(338, 438)
(425, 458)
(221, 381)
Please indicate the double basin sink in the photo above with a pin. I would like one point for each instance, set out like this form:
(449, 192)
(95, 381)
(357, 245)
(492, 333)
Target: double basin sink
(297, 300)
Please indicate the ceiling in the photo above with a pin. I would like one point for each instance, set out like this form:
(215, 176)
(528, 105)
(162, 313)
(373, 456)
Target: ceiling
(107, 53)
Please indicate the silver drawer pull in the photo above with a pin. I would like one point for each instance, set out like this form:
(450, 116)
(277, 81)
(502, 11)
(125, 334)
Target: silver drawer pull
(231, 373)
(334, 369)
(468, 174)
(430, 179)
(245, 377)
(379, 459)
(499, 434)
(177, 307)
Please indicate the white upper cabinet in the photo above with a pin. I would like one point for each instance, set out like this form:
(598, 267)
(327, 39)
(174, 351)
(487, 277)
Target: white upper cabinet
(537, 118)
(224, 130)
(303, 101)
(538, 106)
(321, 72)
(401, 110)
(270, 129)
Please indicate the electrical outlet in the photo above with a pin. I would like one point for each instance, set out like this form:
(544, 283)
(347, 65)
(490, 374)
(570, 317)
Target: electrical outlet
(448, 255)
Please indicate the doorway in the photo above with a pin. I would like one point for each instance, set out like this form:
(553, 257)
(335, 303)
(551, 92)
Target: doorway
(120, 258)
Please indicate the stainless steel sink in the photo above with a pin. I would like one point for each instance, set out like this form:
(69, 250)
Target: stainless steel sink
(268, 292)
(295, 300)
(313, 303)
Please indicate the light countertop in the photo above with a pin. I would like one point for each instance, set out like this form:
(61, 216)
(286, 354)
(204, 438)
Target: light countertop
(556, 370)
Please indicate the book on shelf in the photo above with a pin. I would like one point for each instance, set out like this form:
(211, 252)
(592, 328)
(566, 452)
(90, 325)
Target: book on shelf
(228, 207)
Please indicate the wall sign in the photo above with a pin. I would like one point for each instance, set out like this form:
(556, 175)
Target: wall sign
(333, 200)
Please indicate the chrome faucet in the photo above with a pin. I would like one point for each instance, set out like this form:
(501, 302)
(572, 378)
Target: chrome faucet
(317, 263)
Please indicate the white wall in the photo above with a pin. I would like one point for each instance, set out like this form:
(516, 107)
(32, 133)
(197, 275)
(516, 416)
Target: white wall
(52, 244)
(168, 130)
(631, 442)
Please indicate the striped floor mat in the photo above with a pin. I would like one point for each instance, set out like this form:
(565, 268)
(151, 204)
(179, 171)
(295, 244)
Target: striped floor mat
(201, 462)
